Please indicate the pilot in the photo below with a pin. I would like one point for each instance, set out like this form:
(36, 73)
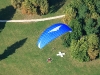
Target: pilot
(49, 60)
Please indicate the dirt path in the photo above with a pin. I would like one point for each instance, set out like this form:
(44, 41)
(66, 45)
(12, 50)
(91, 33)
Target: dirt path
(33, 20)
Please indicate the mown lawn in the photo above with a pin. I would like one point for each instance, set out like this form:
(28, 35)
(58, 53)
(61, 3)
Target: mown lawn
(4, 3)
(28, 59)
(18, 42)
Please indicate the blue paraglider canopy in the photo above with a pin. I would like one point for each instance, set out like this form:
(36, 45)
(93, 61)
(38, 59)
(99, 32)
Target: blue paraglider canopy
(51, 33)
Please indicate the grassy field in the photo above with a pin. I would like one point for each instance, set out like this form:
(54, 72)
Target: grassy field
(24, 57)
(20, 55)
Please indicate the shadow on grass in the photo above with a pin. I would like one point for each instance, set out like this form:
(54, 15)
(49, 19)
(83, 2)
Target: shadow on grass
(10, 50)
(6, 14)
(55, 5)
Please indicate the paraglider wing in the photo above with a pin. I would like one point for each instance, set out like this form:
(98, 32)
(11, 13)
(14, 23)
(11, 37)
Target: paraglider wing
(51, 33)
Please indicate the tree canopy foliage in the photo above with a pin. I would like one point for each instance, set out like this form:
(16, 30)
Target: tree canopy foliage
(85, 49)
(31, 6)
(76, 32)
(83, 16)
(79, 49)
(39, 7)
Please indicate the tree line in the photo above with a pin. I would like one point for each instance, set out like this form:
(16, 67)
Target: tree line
(83, 16)
(31, 6)
(40, 7)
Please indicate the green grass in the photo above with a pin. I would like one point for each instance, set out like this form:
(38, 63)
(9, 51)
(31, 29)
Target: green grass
(30, 60)
(4, 3)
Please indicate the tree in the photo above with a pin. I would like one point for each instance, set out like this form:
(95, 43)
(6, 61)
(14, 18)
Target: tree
(31, 6)
(98, 6)
(98, 23)
(85, 49)
(82, 11)
(91, 26)
(16, 3)
(79, 49)
(76, 32)
(93, 50)
(76, 4)
(70, 14)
